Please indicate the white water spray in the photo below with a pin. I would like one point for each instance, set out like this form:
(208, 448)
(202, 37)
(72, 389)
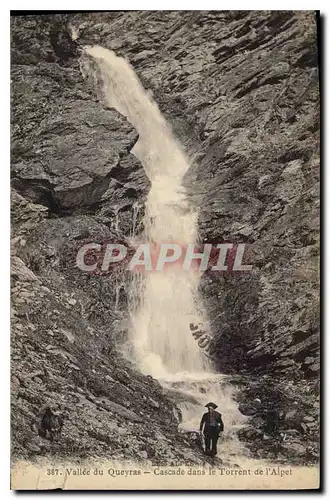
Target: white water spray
(167, 302)
(164, 304)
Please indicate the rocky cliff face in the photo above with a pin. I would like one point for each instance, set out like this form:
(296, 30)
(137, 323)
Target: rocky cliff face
(74, 179)
(241, 92)
(66, 329)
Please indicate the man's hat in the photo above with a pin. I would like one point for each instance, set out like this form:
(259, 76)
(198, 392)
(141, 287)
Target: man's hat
(213, 405)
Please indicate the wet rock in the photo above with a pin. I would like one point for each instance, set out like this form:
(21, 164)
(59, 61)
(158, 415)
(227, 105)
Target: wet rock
(294, 448)
(68, 335)
(250, 433)
(20, 271)
(177, 414)
(154, 403)
(33, 447)
(290, 415)
(308, 418)
(122, 411)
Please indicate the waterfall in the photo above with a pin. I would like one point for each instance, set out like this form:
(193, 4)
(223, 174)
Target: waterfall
(163, 304)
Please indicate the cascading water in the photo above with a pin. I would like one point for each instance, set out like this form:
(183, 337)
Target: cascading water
(169, 301)
(164, 304)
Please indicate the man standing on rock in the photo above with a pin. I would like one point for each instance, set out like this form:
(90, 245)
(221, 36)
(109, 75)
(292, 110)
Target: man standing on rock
(213, 425)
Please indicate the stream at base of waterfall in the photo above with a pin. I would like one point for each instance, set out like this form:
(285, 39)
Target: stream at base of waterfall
(163, 305)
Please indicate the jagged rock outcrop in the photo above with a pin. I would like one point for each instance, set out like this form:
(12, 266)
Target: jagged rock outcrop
(70, 152)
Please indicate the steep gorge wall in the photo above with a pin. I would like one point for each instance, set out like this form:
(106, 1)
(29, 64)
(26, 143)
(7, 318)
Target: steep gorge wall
(241, 92)
(74, 179)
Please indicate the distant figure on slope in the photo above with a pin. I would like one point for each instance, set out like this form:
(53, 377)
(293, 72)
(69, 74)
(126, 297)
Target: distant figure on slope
(213, 425)
(51, 424)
